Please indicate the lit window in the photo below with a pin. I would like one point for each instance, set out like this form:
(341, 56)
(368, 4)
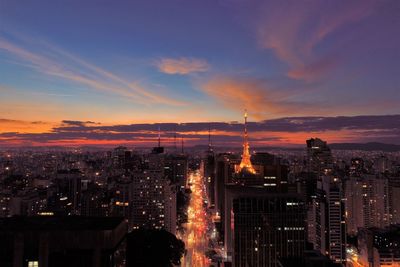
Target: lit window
(33, 264)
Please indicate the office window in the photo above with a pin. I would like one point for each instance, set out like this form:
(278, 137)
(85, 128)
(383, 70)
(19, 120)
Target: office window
(33, 264)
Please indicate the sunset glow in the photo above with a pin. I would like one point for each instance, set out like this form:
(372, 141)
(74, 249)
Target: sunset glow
(319, 60)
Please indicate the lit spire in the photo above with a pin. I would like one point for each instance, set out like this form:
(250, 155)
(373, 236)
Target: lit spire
(246, 162)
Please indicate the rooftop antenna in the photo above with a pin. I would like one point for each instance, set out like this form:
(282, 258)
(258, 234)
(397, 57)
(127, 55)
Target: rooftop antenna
(175, 148)
(159, 136)
(209, 138)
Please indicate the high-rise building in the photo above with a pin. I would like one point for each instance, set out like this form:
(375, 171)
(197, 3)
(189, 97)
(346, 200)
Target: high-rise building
(123, 199)
(225, 169)
(367, 202)
(210, 172)
(379, 247)
(354, 205)
(356, 167)
(261, 227)
(394, 199)
(149, 199)
(319, 157)
(382, 164)
(155, 190)
(330, 226)
(176, 169)
(262, 222)
(95, 203)
(69, 186)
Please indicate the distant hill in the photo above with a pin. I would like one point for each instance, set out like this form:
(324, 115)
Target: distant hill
(373, 146)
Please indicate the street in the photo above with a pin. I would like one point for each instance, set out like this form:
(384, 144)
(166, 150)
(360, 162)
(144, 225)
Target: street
(196, 234)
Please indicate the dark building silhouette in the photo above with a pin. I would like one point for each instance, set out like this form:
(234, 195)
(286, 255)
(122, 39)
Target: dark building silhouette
(319, 157)
(379, 246)
(209, 174)
(311, 258)
(60, 241)
(69, 188)
(261, 227)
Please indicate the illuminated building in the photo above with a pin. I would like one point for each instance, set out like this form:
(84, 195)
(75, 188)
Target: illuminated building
(367, 203)
(394, 199)
(356, 167)
(155, 201)
(5, 198)
(330, 226)
(123, 198)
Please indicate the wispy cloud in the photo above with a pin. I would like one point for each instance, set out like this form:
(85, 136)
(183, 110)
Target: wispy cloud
(74, 69)
(303, 28)
(182, 65)
(77, 123)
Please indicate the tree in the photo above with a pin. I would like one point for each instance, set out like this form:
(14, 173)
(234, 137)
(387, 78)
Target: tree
(155, 248)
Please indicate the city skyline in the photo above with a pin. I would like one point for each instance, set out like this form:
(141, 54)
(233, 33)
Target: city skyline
(282, 132)
(105, 74)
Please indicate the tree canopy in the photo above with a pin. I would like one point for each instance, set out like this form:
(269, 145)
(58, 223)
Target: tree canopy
(155, 248)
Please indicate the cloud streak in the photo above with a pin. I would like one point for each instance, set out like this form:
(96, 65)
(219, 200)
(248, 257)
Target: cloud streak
(182, 65)
(81, 72)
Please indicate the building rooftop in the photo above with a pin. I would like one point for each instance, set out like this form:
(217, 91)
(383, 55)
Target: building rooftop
(56, 223)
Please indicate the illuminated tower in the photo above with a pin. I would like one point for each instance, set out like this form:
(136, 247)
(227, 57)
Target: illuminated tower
(245, 164)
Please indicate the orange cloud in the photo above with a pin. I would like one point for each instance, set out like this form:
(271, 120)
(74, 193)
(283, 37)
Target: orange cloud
(182, 65)
(240, 94)
(21, 126)
(256, 96)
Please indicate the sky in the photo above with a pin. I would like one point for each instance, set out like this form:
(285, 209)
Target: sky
(111, 72)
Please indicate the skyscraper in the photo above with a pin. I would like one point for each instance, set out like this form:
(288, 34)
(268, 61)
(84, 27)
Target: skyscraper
(209, 171)
(261, 227)
(330, 226)
(367, 202)
(319, 157)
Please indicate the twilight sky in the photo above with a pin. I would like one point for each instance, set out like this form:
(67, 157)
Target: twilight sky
(108, 72)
